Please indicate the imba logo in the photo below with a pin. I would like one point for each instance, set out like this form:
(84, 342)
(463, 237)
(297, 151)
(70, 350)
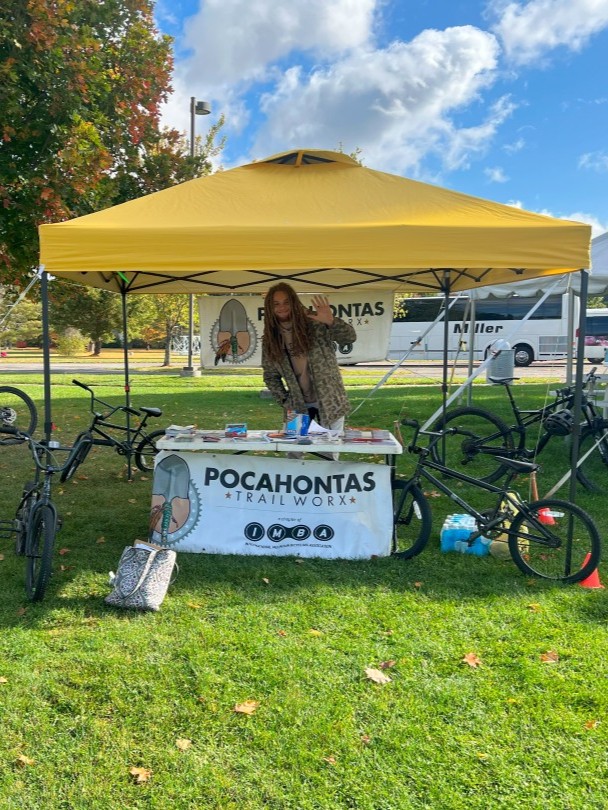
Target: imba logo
(277, 532)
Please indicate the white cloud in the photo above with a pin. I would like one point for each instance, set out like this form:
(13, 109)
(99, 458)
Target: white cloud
(529, 30)
(516, 146)
(595, 161)
(233, 41)
(393, 103)
(495, 174)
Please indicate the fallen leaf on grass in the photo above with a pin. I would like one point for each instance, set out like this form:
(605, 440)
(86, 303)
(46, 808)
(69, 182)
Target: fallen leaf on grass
(22, 611)
(22, 760)
(281, 633)
(101, 539)
(472, 660)
(3, 680)
(132, 500)
(534, 607)
(265, 580)
(550, 657)
(481, 756)
(140, 775)
(591, 724)
(387, 664)
(366, 739)
(63, 551)
(1, 556)
(193, 605)
(433, 494)
(66, 567)
(83, 477)
(143, 478)
(376, 675)
(247, 707)
(298, 562)
(330, 760)
(314, 632)
(418, 584)
(183, 744)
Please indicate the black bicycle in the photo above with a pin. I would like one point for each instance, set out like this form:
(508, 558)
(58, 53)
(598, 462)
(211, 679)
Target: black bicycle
(36, 520)
(481, 439)
(130, 442)
(548, 538)
(17, 410)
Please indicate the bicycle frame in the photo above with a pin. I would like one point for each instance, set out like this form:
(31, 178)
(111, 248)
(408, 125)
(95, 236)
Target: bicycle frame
(505, 494)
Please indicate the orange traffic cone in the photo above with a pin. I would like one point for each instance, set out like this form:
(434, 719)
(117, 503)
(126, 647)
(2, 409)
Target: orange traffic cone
(544, 515)
(593, 580)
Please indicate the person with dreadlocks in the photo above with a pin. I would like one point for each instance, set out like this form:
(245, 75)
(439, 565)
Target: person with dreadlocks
(298, 356)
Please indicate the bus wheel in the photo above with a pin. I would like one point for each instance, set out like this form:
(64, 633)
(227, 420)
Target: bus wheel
(523, 355)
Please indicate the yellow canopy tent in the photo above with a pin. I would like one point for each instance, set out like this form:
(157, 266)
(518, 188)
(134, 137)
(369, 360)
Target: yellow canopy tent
(317, 219)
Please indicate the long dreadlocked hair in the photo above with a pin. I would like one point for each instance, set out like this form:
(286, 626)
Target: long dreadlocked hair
(272, 338)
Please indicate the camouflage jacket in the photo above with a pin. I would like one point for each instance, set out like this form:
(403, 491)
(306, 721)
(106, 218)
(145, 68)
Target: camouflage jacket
(324, 371)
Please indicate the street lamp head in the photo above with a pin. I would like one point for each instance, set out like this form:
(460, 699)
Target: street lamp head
(202, 108)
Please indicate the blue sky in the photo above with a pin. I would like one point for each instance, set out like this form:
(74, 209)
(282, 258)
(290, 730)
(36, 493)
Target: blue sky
(503, 100)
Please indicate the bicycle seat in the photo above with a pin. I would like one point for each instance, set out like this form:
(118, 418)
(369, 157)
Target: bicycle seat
(502, 380)
(517, 465)
(152, 411)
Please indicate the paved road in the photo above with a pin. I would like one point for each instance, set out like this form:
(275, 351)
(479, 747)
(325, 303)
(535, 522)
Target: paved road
(430, 369)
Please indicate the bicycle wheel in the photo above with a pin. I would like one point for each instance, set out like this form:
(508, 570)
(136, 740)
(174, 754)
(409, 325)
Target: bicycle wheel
(80, 450)
(17, 410)
(593, 472)
(146, 450)
(412, 516)
(554, 539)
(39, 551)
(29, 497)
(474, 429)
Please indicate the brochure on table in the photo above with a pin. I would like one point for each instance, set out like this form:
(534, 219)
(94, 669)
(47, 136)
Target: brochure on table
(246, 504)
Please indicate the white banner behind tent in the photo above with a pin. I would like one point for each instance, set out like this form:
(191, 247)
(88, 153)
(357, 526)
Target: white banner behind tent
(232, 326)
(236, 504)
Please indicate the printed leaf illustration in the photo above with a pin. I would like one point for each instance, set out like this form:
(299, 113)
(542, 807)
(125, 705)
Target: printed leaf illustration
(247, 707)
(472, 660)
(376, 675)
(140, 775)
(550, 657)
(183, 744)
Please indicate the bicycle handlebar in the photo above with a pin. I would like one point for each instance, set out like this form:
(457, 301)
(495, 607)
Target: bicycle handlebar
(81, 385)
(114, 408)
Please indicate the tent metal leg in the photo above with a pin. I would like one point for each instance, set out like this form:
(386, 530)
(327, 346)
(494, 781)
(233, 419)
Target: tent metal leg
(46, 355)
(578, 388)
(125, 341)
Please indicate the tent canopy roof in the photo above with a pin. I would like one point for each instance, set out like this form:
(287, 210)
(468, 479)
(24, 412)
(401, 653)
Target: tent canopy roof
(317, 219)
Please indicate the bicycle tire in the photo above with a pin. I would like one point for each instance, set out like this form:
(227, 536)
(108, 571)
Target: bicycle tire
(474, 427)
(146, 450)
(576, 552)
(80, 450)
(29, 498)
(593, 472)
(412, 519)
(39, 551)
(17, 410)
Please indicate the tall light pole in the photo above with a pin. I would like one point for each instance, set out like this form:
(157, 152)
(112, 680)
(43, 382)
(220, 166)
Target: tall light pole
(196, 108)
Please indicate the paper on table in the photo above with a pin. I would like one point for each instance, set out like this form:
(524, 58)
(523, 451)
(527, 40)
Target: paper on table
(316, 428)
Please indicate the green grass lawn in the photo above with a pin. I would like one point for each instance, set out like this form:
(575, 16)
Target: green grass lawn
(87, 693)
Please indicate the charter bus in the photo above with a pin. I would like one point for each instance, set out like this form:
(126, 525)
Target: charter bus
(596, 334)
(544, 336)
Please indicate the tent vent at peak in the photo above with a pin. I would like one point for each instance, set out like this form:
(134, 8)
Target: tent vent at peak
(298, 158)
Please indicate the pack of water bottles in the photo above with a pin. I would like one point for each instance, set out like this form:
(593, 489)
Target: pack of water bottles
(455, 535)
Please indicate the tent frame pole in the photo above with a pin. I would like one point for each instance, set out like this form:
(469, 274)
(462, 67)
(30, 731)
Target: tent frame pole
(125, 343)
(46, 355)
(578, 385)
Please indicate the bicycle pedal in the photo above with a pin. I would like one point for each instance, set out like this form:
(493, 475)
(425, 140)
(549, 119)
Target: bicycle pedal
(8, 528)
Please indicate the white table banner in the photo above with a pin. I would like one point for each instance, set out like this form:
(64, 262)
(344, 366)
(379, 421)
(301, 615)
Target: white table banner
(232, 326)
(244, 504)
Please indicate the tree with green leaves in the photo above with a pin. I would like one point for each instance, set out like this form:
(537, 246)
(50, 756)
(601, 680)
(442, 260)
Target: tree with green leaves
(96, 313)
(81, 84)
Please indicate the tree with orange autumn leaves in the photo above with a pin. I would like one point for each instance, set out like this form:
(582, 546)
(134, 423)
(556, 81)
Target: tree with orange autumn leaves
(81, 83)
